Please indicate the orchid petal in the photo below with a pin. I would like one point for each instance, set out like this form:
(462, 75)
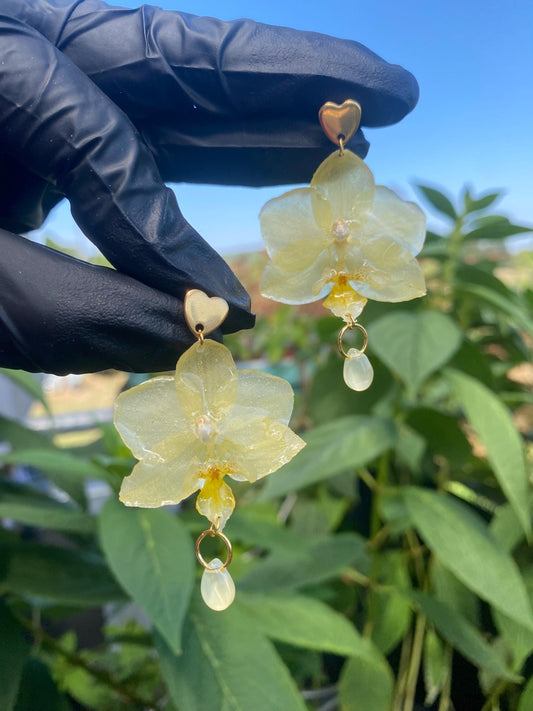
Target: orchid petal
(348, 185)
(148, 413)
(166, 475)
(206, 381)
(257, 446)
(401, 284)
(287, 218)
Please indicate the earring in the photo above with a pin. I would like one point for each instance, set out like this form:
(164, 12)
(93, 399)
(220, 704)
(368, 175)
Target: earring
(205, 422)
(343, 239)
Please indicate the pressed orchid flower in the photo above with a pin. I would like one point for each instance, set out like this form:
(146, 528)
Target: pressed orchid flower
(344, 237)
(206, 422)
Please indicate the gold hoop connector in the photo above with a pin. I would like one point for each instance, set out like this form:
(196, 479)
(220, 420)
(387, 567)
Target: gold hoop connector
(341, 145)
(213, 531)
(199, 333)
(349, 327)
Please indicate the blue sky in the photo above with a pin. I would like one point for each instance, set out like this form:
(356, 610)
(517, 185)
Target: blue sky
(473, 124)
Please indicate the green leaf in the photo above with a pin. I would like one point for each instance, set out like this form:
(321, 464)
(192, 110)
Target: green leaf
(55, 462)
(333, 448)
(414, 345)
(21, 504)
(38, 690)
(14, 651)
(152, 556)
(302, 622)
(229, 666)
(494, 426)
(495, 227)
(452, 592)
(441, 433)
(435, 666)
(461, 635)
(517, 638)
(507, 306)
(20, 437)
(306, 566)
(482, 202)
(439, 201)
(506, 527)
(28, 382)
(464, 544)
(471, 359)
(366, 682)
(390, 610)
(526, 698)
(60, 575)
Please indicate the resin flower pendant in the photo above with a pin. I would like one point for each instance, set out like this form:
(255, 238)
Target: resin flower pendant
(206, 423)
(342, 239)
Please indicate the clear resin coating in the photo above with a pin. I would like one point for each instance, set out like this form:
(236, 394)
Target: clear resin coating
(358, 372)
(206, 422)
(344, 237)
(217, 586)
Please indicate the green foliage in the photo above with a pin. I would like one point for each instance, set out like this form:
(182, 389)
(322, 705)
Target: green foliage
(394, 549)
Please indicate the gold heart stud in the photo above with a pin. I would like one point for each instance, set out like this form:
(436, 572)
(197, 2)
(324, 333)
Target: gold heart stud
(340, 121)
(203, 313)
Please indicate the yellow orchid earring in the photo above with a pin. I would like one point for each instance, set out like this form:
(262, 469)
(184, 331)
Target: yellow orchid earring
(343, 239)
(207, 421)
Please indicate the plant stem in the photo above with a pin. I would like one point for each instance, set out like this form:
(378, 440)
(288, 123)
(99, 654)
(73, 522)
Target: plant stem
(414, 665)
(445, 697)
(491, 704)
(402, 671)
(48, 642)
(381, 482)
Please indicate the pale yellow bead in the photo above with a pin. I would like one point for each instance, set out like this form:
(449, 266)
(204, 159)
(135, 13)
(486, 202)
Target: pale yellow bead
(217, 586)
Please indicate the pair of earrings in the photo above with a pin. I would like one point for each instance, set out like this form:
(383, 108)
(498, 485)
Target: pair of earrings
(343, 239)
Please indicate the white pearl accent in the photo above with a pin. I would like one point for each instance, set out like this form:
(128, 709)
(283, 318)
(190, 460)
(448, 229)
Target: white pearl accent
(217, 586)
(358, 372)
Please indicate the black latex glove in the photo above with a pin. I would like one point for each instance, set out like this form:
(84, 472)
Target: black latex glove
(101, 104)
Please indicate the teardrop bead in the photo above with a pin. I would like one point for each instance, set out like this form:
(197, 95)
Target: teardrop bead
(217, 586)
(358, 372)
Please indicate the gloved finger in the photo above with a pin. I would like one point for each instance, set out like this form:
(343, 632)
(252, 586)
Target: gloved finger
(60, 126)
(60, 315)
(238, 94)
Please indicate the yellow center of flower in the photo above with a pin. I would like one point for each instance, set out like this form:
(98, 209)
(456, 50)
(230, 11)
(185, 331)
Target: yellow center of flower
(343, 299)
(340, 230)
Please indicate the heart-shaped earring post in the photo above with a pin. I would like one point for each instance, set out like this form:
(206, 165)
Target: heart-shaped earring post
(340, 122)
(204, 313)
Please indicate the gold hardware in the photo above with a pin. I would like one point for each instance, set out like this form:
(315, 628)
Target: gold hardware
(340, 122)
(349, 327)
(213, 531)
(203, 313)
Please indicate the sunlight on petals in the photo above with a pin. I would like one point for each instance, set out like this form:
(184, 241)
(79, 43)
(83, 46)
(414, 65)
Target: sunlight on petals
(287, 218)
(402, 284)
(259, 449)
(299, 255)
(206, 380)
(296, 287)
(148, 413)
(396, 219)
(275, 400)
(348, 185)
(167, 475)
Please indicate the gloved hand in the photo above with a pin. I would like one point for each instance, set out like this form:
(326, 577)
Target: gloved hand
(102, 104)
